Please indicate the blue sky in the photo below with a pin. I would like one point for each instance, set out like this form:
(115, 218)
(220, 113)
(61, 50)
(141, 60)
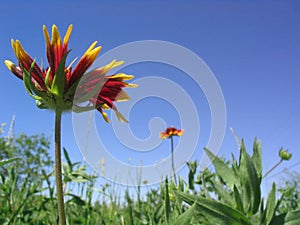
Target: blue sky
(252, 47)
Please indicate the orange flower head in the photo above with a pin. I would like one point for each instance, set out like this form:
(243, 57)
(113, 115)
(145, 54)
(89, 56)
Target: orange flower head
(170, 132)
(54, 87)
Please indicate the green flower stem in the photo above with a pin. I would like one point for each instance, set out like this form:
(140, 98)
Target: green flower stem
(58, 174)
(273, 168)
(172, 155)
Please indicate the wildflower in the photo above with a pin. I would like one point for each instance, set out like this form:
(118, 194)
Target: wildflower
(54, 87)
(170, 132)
(61, 88)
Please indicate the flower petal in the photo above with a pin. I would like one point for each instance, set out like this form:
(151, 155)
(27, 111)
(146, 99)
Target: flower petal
(84, 63)
(26, 61)
(14, 69)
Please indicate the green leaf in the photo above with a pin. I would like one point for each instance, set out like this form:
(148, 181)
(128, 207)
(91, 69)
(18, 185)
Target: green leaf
(59, 80)
(223, 194)
(181, 183)
(158, 212)
(271, 204)
(222, 169)
(256, 157)
(234, 166)
(238, 200)
(76, 199)
(186, 216)
(216, 211)
(290, 218)
(7, 161)
(67, 157)
(249, 181)
(167, 202)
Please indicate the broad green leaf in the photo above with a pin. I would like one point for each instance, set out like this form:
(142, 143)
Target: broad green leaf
(290, 218)
(238, 200)
(249, 181)
(271, 204)
(186, 216)
(222, 169)
(219, 212)
(224, 194)
(256, 157)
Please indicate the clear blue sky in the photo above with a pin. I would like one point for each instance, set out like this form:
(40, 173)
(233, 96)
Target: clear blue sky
(252, 47)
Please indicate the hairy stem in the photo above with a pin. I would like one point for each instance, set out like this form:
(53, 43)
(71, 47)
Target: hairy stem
(58, 174)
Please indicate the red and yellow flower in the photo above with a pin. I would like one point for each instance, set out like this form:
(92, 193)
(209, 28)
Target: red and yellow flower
(63, 88)
(170, 132)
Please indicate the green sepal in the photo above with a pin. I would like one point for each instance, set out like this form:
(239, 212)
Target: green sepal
(41, 104)
(29, 86)
(71, 90)
(59, 80)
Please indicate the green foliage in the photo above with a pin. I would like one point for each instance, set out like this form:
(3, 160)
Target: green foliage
(236, 188)
(290, 193)
(31, 151)
(229, 194)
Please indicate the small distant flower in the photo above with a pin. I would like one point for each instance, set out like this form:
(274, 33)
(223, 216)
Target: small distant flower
(170, 132)
(284, 154)
(54, 87)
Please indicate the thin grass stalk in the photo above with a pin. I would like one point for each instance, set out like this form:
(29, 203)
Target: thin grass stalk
(172, 158)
